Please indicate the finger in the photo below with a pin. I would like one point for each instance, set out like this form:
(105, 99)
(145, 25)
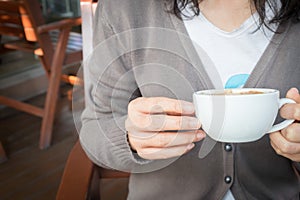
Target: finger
(283, 145)
(165, 139)
(158, 105)
(156, 123)
(164, 153)
(293, 157)
(293, 93)
(292, 133)
(292, 111)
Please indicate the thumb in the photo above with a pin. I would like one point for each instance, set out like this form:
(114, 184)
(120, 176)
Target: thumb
(293, 93)
(291, 111)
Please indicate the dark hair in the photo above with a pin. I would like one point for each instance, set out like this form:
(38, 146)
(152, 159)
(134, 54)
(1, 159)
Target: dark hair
(289, 9)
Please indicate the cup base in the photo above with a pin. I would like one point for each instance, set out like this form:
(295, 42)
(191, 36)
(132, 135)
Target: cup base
(236, 140)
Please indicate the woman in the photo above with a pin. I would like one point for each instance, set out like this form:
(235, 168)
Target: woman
(151, 55)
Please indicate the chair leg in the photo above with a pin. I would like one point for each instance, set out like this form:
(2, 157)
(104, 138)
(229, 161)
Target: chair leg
(53, 89)
(94, 190)
(49, 112)
(3, 156)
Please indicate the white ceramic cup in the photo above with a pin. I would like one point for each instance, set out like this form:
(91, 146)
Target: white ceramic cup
(235, 116)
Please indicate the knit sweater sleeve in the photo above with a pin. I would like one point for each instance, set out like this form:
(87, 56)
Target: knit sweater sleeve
(110, 89)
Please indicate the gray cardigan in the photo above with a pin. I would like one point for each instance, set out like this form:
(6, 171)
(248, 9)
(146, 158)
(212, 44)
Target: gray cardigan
(141, 49)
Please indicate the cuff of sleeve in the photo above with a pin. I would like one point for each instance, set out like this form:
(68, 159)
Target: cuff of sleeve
(106, 145)
(122, 146)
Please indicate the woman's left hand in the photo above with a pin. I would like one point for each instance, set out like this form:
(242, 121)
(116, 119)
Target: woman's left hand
(287, 141)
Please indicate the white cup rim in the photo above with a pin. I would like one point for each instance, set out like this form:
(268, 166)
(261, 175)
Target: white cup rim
(266, 91)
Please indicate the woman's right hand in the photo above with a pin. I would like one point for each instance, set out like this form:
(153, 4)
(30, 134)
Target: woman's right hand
(160, 128)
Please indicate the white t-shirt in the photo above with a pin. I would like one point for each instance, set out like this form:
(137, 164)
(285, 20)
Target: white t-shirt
(229, 57)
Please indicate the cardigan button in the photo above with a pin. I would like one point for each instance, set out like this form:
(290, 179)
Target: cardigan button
(227, 179)
(228, 147)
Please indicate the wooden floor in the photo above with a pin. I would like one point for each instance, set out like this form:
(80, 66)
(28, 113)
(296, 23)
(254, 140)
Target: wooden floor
(31, 173)
(35, 174)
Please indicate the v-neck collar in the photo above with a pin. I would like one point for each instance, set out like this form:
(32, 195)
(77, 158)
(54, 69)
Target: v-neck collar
(251, 21)
(190, 51)
(262, 65)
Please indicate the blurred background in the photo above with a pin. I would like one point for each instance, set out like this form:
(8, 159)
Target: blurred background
(28, 172)
(31, 169)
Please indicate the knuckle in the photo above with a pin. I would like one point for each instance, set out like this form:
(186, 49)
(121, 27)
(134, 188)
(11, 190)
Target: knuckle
(153, 104)
(157, 123)
(146, 154)
(136, 122)
(137, 144)
(190, 137)
(195, 138)
(290, 132)
(162, 140)
(144, 122)
(175, 105)
(297, 113)
(285, 148)
(150, 102)
(132, 138)
(133, 144)
(139, 100)
(132, 104)
(142, 154)
(278, 151)
(135, 103)
(178, 122)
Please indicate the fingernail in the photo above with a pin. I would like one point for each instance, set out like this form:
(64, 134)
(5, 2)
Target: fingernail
(200, 135)
(190, 146)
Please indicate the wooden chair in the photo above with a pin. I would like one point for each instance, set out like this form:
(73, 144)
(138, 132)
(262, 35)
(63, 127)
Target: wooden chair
(81, 177)
(51, 43)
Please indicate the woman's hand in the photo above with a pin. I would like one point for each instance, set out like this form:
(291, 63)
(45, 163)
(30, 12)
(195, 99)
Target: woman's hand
(160, 128)
(287, 141)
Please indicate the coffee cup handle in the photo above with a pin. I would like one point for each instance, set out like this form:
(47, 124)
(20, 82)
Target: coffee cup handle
(286, 122)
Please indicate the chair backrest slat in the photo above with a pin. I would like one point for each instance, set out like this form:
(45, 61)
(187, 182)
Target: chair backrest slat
(35, 15)
(10, 18)
(15, 20)
(21, 14)
(11, 31)
(10, 6)
(21, 18)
